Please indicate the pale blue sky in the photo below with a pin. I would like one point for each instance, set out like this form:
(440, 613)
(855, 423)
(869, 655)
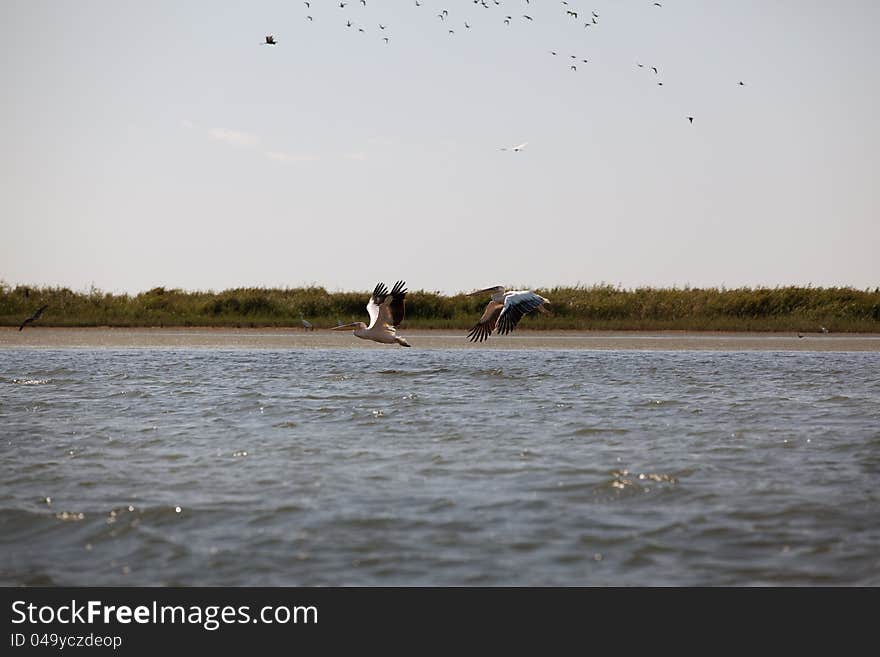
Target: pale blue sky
(159, 143)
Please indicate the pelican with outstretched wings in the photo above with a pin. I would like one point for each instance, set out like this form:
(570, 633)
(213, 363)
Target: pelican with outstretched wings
(504, 311)
(34, 317)
(386, 313)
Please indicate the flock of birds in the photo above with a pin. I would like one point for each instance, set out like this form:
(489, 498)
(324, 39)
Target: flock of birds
(505, 308)
(571, 13)
(387, 311)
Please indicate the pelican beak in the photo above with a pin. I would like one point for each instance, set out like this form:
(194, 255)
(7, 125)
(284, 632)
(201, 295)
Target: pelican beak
(344, 327)
(484, 291)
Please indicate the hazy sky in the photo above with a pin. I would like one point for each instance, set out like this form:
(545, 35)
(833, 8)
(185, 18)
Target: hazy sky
(159, 143)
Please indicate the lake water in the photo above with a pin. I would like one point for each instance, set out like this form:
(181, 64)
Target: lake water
(439, 467)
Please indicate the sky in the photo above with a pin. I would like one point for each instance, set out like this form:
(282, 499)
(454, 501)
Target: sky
(162, 143)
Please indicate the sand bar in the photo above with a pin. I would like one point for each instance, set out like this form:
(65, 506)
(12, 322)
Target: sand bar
(37, 337)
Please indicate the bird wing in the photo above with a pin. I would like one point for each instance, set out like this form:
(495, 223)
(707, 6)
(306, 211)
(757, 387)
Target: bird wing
(517, 304)
(387, 308)
(486, 325)
(396, 305)
(376, 301)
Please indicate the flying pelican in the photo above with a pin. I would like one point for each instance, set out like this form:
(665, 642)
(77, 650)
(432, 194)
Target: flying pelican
(33, 317)
(516, 149)
(504, 311)
(270, 40)
(386, 313)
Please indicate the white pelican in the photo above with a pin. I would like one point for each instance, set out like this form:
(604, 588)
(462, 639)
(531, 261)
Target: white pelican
(36, 316)
(504, 311)
(386, 314)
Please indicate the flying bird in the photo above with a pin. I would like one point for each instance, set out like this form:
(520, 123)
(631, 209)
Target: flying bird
(270, 40)
(516, 149)
(34, 317)
(691, 119)
(504, 311)
(386, 313)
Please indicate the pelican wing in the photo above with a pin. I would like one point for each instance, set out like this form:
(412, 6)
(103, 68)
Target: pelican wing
(396, 305)
(387, 308)
(517, 304)
(376, 301)
(486, 325)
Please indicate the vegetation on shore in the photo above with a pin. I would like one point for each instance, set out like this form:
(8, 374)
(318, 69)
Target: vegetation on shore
(605, 307)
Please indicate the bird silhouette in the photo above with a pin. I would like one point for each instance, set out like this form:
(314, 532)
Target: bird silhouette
(270, 40)
(34, 317)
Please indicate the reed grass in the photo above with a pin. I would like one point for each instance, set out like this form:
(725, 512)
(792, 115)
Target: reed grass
(599, 307)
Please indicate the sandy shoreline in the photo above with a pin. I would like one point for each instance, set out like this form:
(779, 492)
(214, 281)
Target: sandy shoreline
(274, 338)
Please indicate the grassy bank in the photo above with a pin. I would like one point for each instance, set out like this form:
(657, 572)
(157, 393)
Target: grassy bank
(583, 308)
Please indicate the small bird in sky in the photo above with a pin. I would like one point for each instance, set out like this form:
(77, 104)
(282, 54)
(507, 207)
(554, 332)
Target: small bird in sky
(270, 40)
(691, 119)
(516, 149)
(34, 317)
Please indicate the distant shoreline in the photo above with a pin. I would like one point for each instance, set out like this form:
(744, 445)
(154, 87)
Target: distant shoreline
(39, 337)
(596, 308)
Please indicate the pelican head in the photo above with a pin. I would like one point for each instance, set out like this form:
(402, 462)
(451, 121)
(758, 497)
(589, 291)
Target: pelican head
(354, 326)
(494, 290)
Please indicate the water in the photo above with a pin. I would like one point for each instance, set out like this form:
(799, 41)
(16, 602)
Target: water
(444, 467)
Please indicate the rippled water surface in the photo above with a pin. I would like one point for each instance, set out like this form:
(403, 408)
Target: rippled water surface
(446, 467)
